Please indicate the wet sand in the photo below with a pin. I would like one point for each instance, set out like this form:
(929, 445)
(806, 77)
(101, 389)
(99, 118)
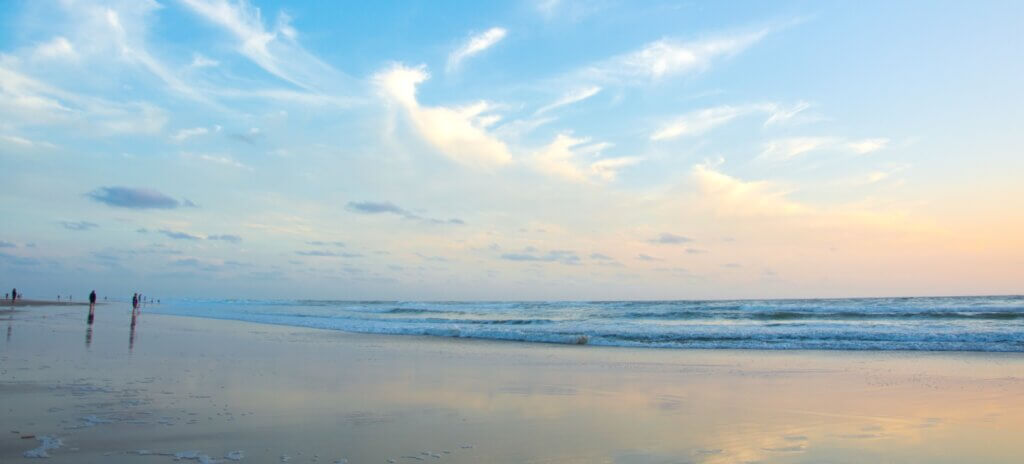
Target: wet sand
(8, 304)
(203, 389)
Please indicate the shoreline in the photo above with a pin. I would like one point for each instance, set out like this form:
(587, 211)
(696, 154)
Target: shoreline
(123, 392)
(41, 303)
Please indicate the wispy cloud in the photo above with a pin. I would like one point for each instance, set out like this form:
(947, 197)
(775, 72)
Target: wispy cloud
(275, 50)
(457, 132)
(57, 49)
(189, 133)
(26, 101)
(562, 158)
(222, 160)
(574, 96)
(475, 45)
(729, 196)
(135, 198)
(792, 147)
(704, 120)
(79, 225)
(669, 57)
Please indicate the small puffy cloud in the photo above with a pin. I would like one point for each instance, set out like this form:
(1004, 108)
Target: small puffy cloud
(670, 239)
(176, 235)
(645, 257)
(600, 257)
(225, 238)
(475, 45)
(135, 198)
(79, 225)
(459, 133)
(6, 244)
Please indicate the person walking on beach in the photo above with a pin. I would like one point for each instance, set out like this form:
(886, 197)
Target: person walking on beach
(135, 301)
(92, 306)
(14, 295)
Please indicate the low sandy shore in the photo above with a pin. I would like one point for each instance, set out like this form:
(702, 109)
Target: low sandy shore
(212, 390)
(7, 303)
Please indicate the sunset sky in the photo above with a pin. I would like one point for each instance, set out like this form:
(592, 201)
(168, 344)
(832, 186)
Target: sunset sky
(511, 150)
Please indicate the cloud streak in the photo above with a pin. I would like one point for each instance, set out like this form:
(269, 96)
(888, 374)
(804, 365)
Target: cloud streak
(79, 225)
(176, 235)
(668, 57)
(474, 46)
(704, 120)
(386, 207)
(792, 147)
(135, 198)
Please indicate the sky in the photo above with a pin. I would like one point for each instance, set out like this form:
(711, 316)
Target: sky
(520, 150)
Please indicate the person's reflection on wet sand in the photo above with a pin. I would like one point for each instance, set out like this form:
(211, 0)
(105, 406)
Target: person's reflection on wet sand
(88, 336)
(8, 331)
(131, 334)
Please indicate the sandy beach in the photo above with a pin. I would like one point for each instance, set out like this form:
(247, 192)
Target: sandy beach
(208, 390)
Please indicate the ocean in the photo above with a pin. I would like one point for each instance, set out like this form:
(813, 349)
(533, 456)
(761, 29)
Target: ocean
(989, 323)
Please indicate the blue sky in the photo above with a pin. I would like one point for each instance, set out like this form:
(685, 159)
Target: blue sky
(511, 150)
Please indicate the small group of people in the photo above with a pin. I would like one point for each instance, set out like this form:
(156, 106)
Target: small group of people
(14, 295)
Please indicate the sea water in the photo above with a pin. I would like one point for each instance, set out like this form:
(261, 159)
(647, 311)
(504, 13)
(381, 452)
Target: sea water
(990, 323)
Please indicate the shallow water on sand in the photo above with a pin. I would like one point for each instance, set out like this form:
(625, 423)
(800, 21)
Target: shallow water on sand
(182, 385)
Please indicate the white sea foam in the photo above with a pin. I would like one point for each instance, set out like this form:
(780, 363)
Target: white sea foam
(947, 324)
(46, 443)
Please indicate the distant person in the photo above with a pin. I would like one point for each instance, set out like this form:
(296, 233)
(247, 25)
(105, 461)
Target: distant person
(14, 294)
(135, 301)
(92, 297)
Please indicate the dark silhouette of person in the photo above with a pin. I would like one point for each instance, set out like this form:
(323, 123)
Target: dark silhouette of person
(135, 301)
(92, 306)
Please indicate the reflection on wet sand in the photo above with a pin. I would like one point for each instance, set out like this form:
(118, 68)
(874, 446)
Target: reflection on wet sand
(131, 334)
(274, 391)
(88, 336)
